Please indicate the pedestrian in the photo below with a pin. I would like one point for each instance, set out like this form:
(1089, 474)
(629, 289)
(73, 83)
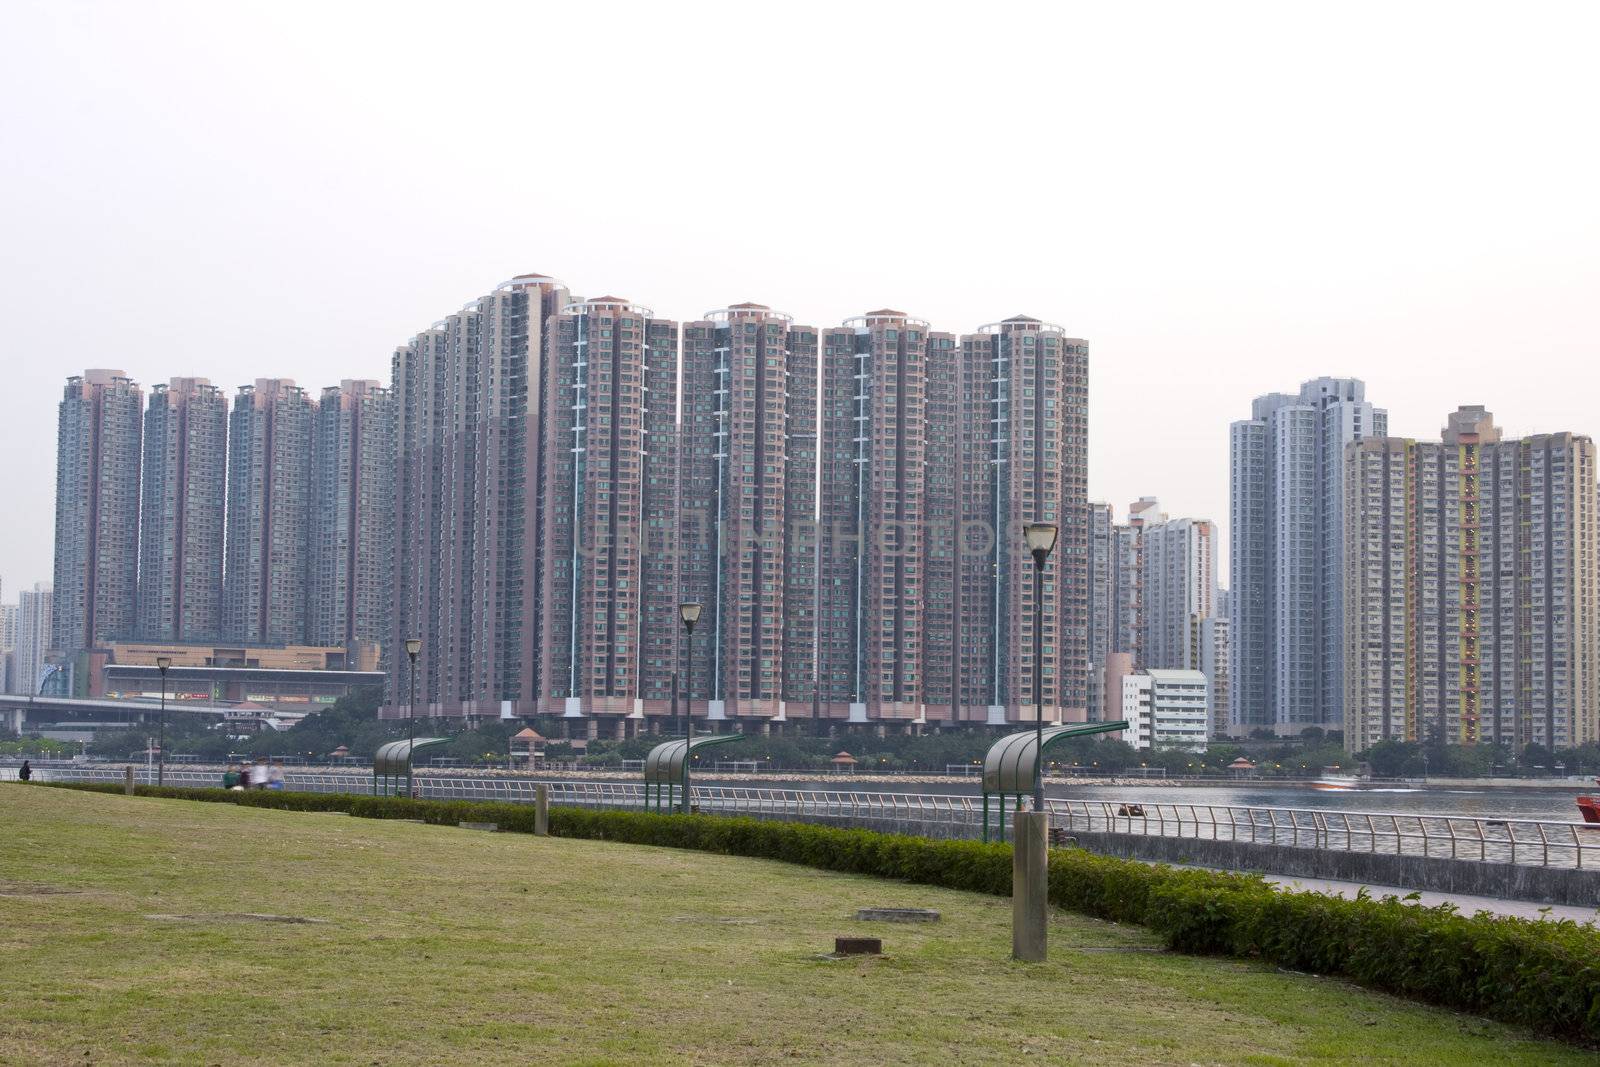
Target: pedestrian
(275, 775)
(230, 777)
(25, 773)
(258, 774)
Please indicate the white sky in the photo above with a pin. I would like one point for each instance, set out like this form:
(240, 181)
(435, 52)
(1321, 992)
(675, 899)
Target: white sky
(1224, 198)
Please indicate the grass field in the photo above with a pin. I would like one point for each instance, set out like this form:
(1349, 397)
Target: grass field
(126, 936)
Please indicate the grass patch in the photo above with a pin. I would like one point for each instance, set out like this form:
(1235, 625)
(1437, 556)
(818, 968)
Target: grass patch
(439, 945)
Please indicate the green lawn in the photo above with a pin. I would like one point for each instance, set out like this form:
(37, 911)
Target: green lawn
(122, 939)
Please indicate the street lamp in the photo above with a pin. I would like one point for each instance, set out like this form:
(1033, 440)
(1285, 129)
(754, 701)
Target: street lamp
(690, 614)
(1041, 540)
(413, 646)
(162, 663)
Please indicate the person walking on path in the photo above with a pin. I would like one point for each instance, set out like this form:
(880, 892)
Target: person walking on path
(230, 777)
(25, 772)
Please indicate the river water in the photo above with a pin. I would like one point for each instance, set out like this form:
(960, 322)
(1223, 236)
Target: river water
(1556, 802)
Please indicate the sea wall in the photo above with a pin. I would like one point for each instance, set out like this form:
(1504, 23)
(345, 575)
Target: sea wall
(1508, 881)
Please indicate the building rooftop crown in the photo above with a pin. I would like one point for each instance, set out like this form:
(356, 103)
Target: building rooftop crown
(532, 280)
(607, 303)
(745, 311)
(1022, 324)
(1470, 424)
(883, 315)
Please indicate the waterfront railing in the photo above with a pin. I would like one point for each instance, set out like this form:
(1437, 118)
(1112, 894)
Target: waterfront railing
(1530, 842)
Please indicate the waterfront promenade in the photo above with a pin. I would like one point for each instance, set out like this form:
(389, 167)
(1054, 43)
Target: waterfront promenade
(1535, 859)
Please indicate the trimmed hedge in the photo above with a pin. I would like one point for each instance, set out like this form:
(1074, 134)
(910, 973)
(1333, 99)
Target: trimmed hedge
(1540, 974)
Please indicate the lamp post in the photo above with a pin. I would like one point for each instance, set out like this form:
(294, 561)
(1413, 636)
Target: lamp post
(1041, 540)
(413, 646)
(690, 614)
(162, 663)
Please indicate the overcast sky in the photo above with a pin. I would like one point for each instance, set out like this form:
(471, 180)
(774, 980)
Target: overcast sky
(1224, 198)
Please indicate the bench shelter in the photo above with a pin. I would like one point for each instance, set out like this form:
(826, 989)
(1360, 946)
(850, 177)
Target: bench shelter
(392, 763)
(666, 771)
(1011, 763)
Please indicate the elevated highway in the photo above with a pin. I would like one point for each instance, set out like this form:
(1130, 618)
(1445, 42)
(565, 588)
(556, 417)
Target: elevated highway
(20, 713)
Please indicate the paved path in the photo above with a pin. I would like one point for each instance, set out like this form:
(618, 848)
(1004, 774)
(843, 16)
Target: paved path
(1468, 904)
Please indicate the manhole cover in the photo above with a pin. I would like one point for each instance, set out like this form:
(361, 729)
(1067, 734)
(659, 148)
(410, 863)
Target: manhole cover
(897, 915)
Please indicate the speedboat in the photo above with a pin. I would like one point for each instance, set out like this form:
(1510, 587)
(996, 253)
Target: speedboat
(1590, 807)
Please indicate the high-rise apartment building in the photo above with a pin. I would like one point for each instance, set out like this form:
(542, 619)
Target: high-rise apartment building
(1072, 551)
(1102, 613)
(1179, 579)
(469, 397)
(269, 512)
(97, 510)
(1472, 593)
(351, 550)
(8, 647)
(944, 446)
(185, 492)
(34, 635)
(610, 592)
(1127, 577)
(1213, 643)
(1153, 581)
(554, 507)
(1024, 456)
(802, 541)
(874, 426)
(746, 545)
(1286, 558)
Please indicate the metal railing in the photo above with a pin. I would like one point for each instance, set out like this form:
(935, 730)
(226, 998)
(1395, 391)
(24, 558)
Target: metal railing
(1531, 842)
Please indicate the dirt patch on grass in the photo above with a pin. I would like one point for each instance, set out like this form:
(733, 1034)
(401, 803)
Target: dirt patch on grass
(33, 889)
(238, 917)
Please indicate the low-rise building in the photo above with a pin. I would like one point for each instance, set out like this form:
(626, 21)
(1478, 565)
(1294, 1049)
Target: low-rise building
(1167, 707)
(288, 678)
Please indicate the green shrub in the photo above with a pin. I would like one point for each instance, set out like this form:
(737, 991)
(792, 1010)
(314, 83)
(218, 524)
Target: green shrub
(1541, 974)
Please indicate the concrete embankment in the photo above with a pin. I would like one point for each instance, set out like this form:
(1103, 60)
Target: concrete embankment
(1510, 881)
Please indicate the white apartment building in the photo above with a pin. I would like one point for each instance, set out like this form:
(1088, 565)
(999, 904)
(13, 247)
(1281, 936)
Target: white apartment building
(1167, 707)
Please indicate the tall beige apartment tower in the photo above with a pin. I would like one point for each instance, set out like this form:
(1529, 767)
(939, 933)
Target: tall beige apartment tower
(97, 510)
(269, 510)
(1472, 588)
(469, 400)
(1024, 414)
(609, 504)
(874, 426)
(352, 505)
(941, 508)
(745, 550)
(185, 494)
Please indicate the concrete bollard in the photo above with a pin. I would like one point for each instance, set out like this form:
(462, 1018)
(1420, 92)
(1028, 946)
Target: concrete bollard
(541, 810)
(127, 779)
(1030, 886)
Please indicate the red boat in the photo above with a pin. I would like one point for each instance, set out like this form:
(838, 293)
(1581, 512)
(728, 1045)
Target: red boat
(1590, 807)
